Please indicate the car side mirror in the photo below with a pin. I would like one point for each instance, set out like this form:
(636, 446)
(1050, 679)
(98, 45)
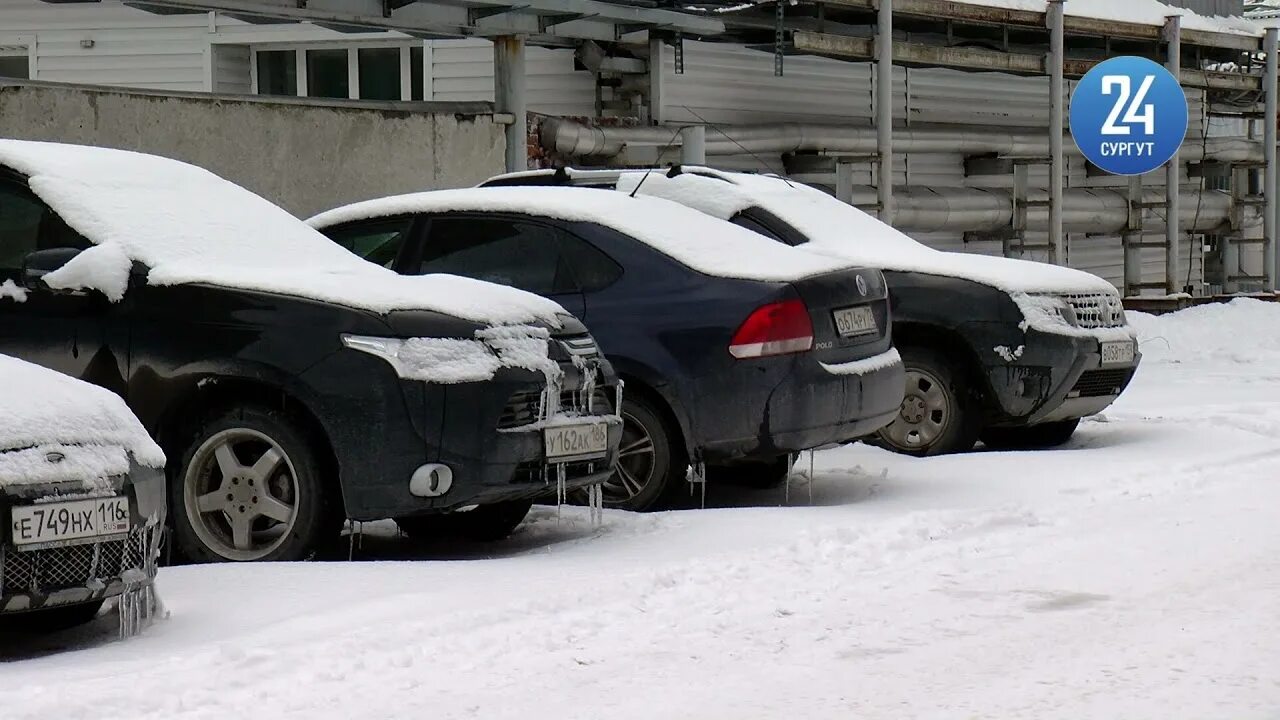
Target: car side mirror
(42, 262)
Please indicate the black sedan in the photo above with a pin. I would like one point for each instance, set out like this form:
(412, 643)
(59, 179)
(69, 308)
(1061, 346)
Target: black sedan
(291, 384)
(736, 352)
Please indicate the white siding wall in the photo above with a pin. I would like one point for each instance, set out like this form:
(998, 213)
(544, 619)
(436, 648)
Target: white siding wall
(463, 70)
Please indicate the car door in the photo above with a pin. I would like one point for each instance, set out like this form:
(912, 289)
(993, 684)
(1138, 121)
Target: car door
(64, 331)
(507, 250)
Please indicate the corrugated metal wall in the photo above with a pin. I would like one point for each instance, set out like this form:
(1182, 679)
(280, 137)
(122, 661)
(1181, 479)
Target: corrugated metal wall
(725, 85)
(463, 70)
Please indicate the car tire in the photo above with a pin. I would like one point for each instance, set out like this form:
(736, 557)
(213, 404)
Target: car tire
(221, 513)
(762, 474)
(1031, 437)
(651, 461)
(487, 523)
(939, 414)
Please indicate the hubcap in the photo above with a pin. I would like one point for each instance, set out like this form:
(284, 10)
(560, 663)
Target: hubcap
(636, 463)
(924, 415)
(241, 494)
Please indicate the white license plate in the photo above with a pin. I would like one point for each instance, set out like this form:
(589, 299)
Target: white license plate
(854, 321)
(68, 523)
(581, 441)
(1114, 353)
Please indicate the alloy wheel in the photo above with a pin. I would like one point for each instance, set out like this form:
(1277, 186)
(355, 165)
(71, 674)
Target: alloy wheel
(240, 493)
(637, 462)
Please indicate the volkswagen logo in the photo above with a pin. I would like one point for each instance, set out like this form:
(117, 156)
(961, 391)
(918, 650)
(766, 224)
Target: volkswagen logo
(862, 286)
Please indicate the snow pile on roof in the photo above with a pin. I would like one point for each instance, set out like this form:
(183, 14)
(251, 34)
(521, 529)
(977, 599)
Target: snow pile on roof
(1242, 332)
(706, 245)
(43, 408)
(839, 229)
(191, 226)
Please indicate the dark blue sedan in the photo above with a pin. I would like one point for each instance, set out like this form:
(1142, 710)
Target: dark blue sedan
(737, 352)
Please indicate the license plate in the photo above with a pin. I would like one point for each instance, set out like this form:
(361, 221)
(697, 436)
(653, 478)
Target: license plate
(68, 523)
(854, 321)
(1117, 352)
(580, 441)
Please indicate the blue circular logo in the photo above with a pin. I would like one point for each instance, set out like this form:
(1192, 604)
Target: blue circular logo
(1128, 115)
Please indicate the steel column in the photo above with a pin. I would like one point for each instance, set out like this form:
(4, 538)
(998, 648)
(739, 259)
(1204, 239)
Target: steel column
(1271, 221)
(884, 108)
(1174, 279)
(509, 96)
(693, 145)
(1057, 162)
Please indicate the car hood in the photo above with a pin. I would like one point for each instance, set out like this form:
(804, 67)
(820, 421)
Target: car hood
(44, 414)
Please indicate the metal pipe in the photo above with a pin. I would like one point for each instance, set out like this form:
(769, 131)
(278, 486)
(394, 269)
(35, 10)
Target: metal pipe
(1173, 172)
(1084, 210)
(509, 97)
(693, 145)
(1057, 161)
(1271, 179)
(574, 139)
(884, 108)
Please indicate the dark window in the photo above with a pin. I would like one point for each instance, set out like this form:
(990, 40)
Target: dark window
(376, 242)
(379, 73)
(15, 66)
(523, 255)
(277, 72)
(20, 216)
(415, 72)
(591, 268)
(769, 225)
(327, 74)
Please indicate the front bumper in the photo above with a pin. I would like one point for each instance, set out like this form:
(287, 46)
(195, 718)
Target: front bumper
(803, 405)
(46, 578)
(1055, 377)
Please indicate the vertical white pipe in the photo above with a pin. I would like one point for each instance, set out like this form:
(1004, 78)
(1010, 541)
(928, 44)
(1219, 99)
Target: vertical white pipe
(1271, 179)
(1174, 279)
(884, 108)
(693, 145)
(509, 96)
(1057, 161)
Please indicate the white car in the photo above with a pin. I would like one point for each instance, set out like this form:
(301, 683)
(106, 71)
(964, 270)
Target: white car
(82, 497)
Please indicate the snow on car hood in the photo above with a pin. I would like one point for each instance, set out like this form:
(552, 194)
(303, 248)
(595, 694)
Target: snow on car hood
(190, 226)
(702, 243)
(42, 411)
(839, 229)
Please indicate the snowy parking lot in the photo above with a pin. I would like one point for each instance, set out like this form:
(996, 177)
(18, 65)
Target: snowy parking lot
(1130, 574)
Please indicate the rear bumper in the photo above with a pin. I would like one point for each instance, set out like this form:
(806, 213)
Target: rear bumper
(1056, 377)
(806, 405)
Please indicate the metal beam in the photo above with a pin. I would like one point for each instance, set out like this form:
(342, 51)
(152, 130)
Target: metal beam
(1057, 160)
(969, 58)
(1271, 221)
(599, 18)
(1173, 173)
(509, 96)
(884, 108)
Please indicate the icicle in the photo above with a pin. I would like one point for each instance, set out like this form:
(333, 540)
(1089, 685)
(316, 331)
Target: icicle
(698, 476)
(811, 477)
(561, 494)
(351, 539)
(139, 604)
(617, 395)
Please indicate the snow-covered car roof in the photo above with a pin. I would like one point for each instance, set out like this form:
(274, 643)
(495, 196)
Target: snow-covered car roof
(190, 226)
(702, 243)
(43, 411)
(839, 229)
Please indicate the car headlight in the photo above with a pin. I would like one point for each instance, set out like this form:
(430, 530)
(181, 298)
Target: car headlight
(1051, 308)
(386, 348)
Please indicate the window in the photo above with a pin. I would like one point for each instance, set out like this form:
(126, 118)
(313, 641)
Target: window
(15, 66)
(277, 72)
(522, 255)
(20, 215)
(327, 74)
(376, 242)
(379, 72)
(769, 225)
(365, 71)
(591, 268)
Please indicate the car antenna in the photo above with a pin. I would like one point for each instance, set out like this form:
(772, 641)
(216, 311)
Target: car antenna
(665, 148)
(720, 130)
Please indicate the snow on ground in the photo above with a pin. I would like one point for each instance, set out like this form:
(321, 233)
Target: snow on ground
(1131, 574)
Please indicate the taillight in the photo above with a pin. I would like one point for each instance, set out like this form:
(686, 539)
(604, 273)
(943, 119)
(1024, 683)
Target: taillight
(774, 329)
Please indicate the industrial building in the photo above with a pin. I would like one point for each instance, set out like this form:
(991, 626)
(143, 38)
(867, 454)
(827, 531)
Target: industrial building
(969, 133)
